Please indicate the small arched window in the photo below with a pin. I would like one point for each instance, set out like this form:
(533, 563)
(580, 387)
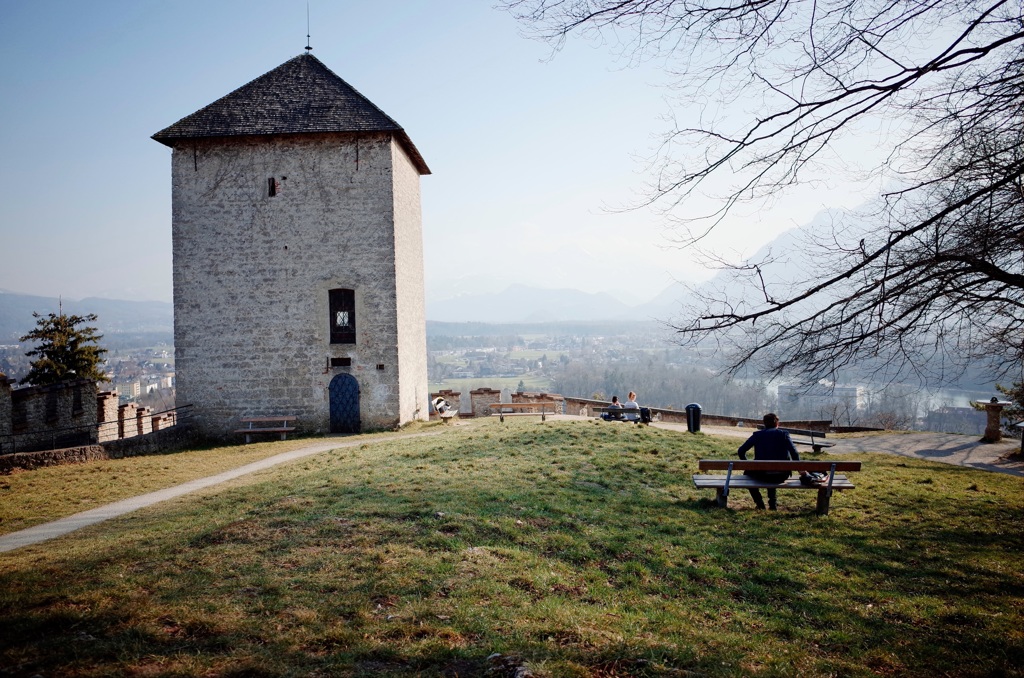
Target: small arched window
(342, 316)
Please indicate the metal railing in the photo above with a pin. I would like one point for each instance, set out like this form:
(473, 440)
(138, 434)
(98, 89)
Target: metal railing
(41, 440)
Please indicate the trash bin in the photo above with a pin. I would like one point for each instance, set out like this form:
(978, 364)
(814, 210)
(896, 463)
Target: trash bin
(693, 418)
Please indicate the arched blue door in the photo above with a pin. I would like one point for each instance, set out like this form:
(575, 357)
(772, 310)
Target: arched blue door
(344, 394)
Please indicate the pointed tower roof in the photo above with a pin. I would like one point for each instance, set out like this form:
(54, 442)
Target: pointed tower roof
(301, 96)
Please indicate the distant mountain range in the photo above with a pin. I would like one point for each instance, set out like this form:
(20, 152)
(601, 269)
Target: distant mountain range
(114, 317)
(514, 304)
(524, 304)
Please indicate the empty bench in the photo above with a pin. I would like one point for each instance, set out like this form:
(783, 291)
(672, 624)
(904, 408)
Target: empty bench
(523, 410)
(816, 439)
(281, 425)
(733, 477)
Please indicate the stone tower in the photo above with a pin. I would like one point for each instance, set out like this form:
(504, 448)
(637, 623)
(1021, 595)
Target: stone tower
(298, 257)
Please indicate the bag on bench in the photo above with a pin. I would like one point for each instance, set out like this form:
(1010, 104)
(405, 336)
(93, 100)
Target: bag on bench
(813, 479)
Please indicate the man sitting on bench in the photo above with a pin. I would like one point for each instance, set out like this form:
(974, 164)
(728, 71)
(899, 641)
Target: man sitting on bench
(770, 443)
(613, 416)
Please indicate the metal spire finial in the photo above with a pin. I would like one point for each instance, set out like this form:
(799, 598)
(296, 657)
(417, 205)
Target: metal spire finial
(308, 48)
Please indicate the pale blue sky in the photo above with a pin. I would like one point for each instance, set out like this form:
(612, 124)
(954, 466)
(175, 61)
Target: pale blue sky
(526, 151)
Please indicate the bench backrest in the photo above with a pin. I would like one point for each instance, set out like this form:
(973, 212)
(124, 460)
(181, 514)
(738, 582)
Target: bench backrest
(547, 405)
(789, 465)
(799, 431)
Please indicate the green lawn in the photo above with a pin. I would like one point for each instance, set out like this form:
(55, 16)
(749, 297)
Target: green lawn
(565, 548)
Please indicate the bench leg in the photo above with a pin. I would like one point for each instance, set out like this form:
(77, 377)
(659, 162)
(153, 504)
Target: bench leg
(501, 417)
(824, 495)
(542, 416)
(721, 498)
(247, 438)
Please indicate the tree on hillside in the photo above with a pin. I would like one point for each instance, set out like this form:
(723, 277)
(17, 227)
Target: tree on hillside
(63, 350)
(935, 280)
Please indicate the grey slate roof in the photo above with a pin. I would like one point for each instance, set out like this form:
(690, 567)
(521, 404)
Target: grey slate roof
(301, 96)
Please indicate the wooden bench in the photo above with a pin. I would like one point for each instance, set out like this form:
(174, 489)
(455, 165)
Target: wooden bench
(816, 441)
(734, 477)
(627, 414)
(523, 409)
(282, 427)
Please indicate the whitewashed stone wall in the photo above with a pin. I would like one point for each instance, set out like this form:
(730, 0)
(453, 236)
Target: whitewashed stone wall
(413, 385)
(252, 274)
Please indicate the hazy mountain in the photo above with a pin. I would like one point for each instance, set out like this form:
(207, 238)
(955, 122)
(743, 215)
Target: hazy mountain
(520, 303)
(152, 318)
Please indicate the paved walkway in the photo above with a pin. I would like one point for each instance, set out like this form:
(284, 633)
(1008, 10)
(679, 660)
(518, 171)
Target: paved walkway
(948, 448)
(944, 447)
(57, 528)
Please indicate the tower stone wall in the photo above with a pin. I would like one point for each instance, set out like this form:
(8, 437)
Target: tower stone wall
(263, 228)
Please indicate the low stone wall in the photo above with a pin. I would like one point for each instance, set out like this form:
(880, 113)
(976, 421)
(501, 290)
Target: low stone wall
(587, 407)
(38, 417)
(158, 442)
(527, 397)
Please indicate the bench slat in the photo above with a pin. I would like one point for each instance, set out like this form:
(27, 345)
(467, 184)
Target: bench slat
(761, 465)
(716, 481)
(522, 406)
(277, 429)
(246, 420)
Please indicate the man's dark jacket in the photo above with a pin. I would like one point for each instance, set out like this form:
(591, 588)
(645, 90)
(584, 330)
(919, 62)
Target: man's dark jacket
(770, 444)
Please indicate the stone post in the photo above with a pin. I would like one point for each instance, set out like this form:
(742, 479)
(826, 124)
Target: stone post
(107, 425)
(994, 427)
(127, 423)
(143, 422)
(482, 399)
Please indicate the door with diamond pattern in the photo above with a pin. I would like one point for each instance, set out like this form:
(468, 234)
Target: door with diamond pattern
(344, 395)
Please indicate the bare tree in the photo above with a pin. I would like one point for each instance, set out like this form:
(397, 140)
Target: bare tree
(935, 282)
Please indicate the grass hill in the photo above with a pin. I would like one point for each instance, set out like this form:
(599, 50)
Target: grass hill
(558, 549)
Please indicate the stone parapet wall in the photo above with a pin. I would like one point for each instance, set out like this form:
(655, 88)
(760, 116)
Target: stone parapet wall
(587, 407)
(525, 397)
(5, 405)
(68, 415)
(57, 415)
